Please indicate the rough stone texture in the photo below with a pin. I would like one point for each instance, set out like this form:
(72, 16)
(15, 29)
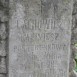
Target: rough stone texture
(73, 41)
(2, 65)
(39, 40)
(74, 27)
(3, 31)
(3, 36)
(2, 75)
(73, 74)
(2, 48)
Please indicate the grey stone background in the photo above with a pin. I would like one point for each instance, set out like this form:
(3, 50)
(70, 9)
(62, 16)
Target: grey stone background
(4, 13)
(4, 36)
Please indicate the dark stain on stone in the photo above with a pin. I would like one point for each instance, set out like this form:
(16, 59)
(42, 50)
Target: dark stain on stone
(46, 5)
(3, 5)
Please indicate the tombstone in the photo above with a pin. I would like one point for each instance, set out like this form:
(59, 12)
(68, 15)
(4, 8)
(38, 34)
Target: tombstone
(39, 38)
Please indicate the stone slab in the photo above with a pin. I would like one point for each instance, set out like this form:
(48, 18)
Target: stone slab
(39, 40)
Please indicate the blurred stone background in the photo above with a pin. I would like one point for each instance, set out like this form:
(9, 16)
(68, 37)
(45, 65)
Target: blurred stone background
(3, 37)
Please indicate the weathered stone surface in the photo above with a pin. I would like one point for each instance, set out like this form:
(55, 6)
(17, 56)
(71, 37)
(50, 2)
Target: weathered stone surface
(72, 64)
(4, 16)
(39, 40)
(74, 27)
(3, 34)
(2, 75)
(2, 65)
(3, 4)
(3, 40)
(2, 48)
